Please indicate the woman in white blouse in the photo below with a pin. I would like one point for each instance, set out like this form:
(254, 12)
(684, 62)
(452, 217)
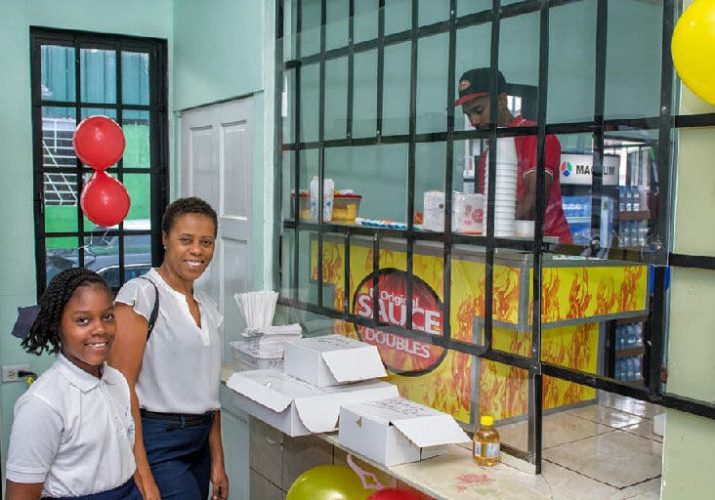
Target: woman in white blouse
(173, 368)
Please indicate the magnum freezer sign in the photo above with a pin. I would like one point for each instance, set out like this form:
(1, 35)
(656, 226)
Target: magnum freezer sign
(403, 355)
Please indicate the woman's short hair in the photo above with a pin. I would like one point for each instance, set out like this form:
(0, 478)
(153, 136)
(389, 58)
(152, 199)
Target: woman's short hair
(183, 206)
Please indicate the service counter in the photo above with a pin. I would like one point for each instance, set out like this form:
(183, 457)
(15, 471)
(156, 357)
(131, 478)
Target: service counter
(579, 295)
(276, 460)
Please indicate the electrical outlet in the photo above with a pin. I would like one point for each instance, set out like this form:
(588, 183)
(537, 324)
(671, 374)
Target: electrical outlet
(10, 372)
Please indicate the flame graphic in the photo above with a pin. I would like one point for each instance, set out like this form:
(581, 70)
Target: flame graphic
(579, 296)
(506, 294)
(632, 277)
(605, 297)
(551, 283)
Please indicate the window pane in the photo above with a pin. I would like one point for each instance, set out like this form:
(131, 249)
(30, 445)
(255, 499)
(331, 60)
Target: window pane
(310, 33)
(398, 16)
(336, 98)
(60, 217)
(473, 51)
(432, 84)
(572, 67)
(307, 281)
(430, 162)
(472, 6)
(136, 127)
(309, 167)
(633, 75)
(137, 253)
(365, 20)
(309, 102)
(576, 180)
(396, 91)
(58, 73)
(139, 188)
(519, 57)
(61, 254)
(58, 126)
(365, 94)
(135, 78)
(108, 112)
(638, 188)
(378, 173)
(287, 193)
(336, 27)
(287, 250)
(101, 255)
(432, 12)
(99, 75)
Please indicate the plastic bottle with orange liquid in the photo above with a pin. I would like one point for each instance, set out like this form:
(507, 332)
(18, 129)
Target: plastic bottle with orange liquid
(486, 445)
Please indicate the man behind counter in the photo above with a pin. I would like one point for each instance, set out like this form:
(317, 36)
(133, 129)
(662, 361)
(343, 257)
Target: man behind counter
(475, 102)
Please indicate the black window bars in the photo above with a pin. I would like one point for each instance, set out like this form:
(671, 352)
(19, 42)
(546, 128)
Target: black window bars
(158, 172)
(291, 18)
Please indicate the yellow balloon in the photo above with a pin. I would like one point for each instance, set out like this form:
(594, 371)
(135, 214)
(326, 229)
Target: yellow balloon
(693, 48)
(328, 482)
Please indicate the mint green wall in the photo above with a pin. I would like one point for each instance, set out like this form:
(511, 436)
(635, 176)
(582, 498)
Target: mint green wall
(689, 440)
(17, 269)
(218, 51)
(219, 55)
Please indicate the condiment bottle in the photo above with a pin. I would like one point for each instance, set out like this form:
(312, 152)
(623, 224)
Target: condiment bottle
(486, 445)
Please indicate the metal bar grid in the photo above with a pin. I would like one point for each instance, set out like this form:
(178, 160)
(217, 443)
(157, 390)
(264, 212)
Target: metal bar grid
(158, 141)
(539, 248)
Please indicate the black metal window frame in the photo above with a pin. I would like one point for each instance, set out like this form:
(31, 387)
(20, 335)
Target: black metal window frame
(662, 259)
(158, 172)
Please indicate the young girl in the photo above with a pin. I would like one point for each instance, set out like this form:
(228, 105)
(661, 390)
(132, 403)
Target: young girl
(73, 432)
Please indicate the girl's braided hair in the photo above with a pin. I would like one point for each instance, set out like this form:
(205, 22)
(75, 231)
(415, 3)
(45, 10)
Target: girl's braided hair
(45, 331)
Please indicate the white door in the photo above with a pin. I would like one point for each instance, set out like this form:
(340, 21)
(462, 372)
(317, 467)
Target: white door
(217, 161)
(216, 165)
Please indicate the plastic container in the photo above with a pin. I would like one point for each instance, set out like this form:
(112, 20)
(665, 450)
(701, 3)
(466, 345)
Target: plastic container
(346, 207)
(486, 444)
(328, 194)
(247, 356)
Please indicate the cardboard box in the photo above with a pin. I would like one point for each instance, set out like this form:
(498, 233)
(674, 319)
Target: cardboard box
(397, 431)
(332, 360)
(295, 407)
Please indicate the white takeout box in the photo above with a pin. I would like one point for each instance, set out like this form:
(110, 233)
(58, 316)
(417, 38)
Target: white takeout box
(396, 431)
(295, 407)
(332, 360)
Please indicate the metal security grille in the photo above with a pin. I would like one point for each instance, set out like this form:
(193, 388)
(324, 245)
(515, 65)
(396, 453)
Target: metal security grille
(295, 66)
(76, 75)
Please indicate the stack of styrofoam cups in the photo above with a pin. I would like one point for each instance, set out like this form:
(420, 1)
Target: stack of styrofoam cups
(504, 209)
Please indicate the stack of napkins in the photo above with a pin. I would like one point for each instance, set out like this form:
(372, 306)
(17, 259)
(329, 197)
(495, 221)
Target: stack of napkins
(269, 341)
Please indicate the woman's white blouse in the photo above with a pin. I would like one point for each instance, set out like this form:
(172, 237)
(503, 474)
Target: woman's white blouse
(181, 370)
(73, 432)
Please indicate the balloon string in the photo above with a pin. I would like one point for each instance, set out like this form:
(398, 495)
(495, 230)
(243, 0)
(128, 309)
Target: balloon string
(365, 476)
(88, 245)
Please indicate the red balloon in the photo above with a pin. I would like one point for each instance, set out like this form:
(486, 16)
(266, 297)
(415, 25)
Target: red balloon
(98, 142)
(104, 200)
(394, 494)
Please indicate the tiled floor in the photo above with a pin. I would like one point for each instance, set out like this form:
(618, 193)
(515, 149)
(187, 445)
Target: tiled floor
(604, 450)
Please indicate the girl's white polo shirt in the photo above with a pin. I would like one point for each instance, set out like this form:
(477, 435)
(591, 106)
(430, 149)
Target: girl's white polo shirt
(73, 432)
(181, 369)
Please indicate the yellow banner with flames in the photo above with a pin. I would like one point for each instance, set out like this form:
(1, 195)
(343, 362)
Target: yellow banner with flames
(448, 380)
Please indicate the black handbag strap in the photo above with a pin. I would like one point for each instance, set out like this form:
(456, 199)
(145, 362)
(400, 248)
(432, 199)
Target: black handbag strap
(155, 311)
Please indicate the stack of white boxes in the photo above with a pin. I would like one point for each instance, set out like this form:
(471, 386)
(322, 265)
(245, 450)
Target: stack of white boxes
(332, 378)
